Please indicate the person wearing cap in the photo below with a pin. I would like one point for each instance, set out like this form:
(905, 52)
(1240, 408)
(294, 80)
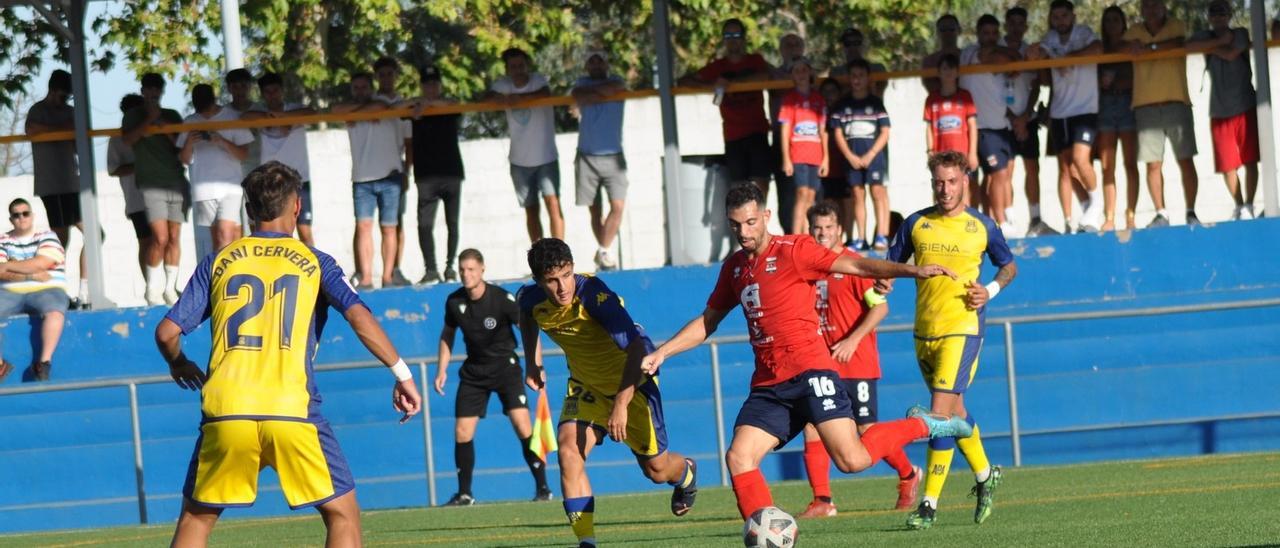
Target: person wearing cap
(57, 177)
(438, 172)
(948, 29)
(746, 130)
(600, 166)
(804, 140)
(214, 157)
(284, 144)
(854, 45)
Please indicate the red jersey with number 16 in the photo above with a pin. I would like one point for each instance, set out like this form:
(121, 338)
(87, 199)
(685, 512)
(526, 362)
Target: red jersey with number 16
(841, 307)
(777, 296)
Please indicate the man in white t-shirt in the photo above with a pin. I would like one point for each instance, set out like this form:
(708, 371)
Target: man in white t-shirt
(376, 174)
(1073, 110)
(214, 158)
(120, 164)
(387, 72)
(1022, 96)
(995, 137)
(534, 161)
(285, 144)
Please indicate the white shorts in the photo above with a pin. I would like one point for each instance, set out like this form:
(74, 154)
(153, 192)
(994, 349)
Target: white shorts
(226, 208)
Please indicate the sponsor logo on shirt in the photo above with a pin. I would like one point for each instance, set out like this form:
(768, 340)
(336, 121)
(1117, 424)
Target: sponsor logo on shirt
(949, 123)
(771, 264)
(806, 129)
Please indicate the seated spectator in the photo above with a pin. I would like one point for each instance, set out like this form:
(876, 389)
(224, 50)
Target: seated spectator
(120, 164)
(33, 281)
(214, 157)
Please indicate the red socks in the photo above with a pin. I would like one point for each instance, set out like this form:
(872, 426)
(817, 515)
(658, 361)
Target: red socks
(752, 492)
(900, 463)
(818, 464)
(884, 439)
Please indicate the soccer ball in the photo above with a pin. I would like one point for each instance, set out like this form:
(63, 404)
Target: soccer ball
(770, 527)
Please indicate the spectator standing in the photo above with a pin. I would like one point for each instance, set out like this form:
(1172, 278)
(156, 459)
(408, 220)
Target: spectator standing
(1233, 115)
(854, 45)
(948, 30)
(120, 164)
(33, 280)
(438, 172)
(1162, 106)
(239, 85)
(835, 186)
(790, 47)
(1073, 115)
(165, 192)
(387, 71)
(535, 168)
(375, 176)
(600, 166)
(214, 157)
(804, 141)
(861, 126)
(746, 140)
(57, 177)
(1022, 92)
(995, 135)
(1116, 124)
(285, 144)
(951, 115)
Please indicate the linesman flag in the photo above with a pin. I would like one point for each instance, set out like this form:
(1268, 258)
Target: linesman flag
(543, 440)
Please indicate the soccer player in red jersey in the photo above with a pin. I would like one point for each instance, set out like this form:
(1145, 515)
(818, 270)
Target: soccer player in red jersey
(849, 309)
(795, 381)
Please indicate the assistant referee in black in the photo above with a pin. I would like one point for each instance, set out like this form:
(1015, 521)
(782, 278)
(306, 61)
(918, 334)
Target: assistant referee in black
(488, 316)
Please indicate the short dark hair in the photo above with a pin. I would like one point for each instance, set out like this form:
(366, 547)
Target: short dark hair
(949, 60)
(946, 16)
(824, 208)
(742, 194)
(511, 53)
(202, 97)
(987, 19)
(472, 254)
(268, 189)
(130, 102)
(948, 158)
(362, 76)
(1062, 4)
(153, 80)
(1016, 11)
(239, 75)
(386, 61)
(548, 254)
(859, 63)
(270, 79)
(734, 21)
(18, 201)
(60, 80)
(829, 82)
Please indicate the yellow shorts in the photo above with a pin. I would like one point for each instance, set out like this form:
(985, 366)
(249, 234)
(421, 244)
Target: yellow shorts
(646, 431)
(230, 453)
(948, 364)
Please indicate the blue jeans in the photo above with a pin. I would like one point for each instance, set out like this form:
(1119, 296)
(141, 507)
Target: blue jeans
(382, 195)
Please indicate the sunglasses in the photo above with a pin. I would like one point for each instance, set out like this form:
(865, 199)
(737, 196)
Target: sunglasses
(733, 35)
(20, 214)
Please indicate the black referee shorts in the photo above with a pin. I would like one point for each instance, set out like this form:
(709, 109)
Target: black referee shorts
(480, 380)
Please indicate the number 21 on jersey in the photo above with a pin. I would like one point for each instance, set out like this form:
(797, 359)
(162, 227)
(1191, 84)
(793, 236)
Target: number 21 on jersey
(285, 287)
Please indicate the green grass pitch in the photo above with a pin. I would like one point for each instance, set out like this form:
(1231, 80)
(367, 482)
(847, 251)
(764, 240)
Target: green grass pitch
(1205, 501)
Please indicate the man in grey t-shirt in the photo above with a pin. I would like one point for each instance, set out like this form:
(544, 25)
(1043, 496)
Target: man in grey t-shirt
(1232, 104)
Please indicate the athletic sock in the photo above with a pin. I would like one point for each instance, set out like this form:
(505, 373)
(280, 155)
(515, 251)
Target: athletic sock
(884, 438)
(536, 466)
(84, 290)
(464, 455)
(973, 451)
(581, 514)
(171, 277)
(941, 450)
(1035, 211)
(752, 492)
(1162, 213)
(155, 279)
(900, 463)
(818, 466)
(686, 476)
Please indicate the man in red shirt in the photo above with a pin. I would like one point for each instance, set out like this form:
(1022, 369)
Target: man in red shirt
(795, 381)
(849, 309)
(746, 130)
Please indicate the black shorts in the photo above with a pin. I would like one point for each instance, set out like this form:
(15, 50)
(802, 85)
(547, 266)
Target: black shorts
(783, 409)
(1065, 132)
(835, 188)
(63, 209)
(141, 228)
(478, 381)
(1030, 148)
(865, 405)
(748, 158)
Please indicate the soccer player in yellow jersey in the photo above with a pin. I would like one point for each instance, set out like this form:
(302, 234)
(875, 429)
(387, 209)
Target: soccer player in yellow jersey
(267, 296)
(608, 394)
(949, 319)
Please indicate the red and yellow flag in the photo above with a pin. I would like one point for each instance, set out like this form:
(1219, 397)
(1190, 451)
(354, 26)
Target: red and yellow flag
(543, 440)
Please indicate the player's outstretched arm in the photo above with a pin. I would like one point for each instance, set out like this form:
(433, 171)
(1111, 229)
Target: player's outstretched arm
(533, 376)
(184, 372)
(877, 268)
(689, 336)
(404, 396)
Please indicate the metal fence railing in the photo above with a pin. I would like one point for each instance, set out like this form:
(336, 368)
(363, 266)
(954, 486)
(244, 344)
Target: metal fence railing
(1015, 433)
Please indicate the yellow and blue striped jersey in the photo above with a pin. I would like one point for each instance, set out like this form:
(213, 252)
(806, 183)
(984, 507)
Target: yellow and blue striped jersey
(267, 296)
(957, 243)
(594, 330)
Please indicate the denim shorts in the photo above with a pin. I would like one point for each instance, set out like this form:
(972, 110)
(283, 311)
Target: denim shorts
(806, 176)
(1115, 114)
(382, 195)
(38, 303)
(534, 180)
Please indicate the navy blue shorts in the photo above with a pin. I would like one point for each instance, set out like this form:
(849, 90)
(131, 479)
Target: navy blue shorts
(995, 149)
(863, 394)
(875, 174)
(806, 176)
(783, 409)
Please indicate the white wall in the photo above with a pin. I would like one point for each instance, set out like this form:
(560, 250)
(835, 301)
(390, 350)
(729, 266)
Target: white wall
(494, 224)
